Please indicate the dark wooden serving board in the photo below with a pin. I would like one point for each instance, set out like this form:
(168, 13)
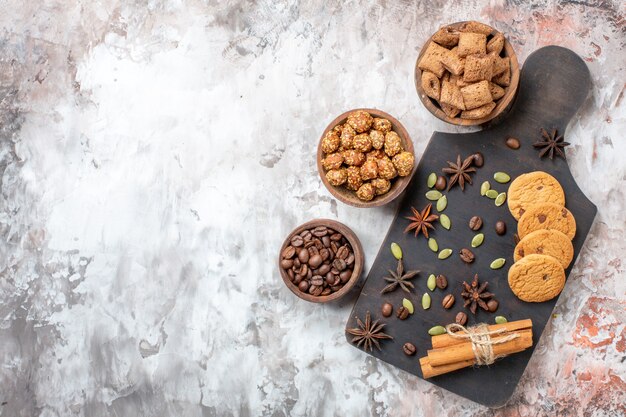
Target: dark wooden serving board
(554, 83)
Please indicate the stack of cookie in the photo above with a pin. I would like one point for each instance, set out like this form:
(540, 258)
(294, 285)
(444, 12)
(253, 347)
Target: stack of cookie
(546, 229)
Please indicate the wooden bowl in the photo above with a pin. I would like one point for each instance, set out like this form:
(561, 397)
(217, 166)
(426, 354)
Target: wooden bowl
(358, 260)
(398, 184)
(502, 104)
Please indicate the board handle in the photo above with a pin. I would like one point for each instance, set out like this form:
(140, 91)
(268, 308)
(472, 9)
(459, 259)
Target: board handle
(560, 83)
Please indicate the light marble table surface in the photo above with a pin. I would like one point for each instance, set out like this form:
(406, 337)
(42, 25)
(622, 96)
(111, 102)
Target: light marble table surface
(154, 154)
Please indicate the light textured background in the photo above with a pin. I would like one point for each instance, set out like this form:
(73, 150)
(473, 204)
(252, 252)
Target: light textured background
(154, 154)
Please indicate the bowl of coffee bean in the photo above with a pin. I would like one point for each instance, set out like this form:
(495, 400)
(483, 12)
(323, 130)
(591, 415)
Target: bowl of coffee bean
(321, 260)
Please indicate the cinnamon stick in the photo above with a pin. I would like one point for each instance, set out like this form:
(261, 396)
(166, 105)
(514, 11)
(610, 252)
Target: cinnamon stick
(429, 371)
(463, 351)
(446, 340)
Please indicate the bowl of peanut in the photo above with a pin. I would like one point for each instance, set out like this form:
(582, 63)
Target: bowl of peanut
(365, 158)
(467, 73)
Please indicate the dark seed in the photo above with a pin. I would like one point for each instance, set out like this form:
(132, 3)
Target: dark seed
(289, 252)
(303, 256)
(466, 255)
(303, 286)
(306, 235)
(317, 280)
(478, 159)
(343, 252)
(492, 305)
(345, 275)
(448, 301)
(441, 183)
(409, 349)
(402, 313)
(461, 318)
(326, 241)
(512, 143)
(330, 279)
(297, 241)
(335, 237)
(286, 263)
(442, 282)
(339, 264)
(315, 261)
(476, 223)
(320, 231)
(500, 227)
(323, 270)
(386, 310)
(324, 253)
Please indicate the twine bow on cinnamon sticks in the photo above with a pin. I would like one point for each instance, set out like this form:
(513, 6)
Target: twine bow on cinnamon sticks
(479, 345)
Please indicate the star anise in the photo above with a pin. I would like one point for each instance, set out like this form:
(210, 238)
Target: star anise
(368, 333)
(551, 143)
(421, 221)
(460, 171)
(399, 278)
(475, 294)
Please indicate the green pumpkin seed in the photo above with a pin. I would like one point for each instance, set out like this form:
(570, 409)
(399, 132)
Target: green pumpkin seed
(491, 194)
(406, 303)
(445, 253)
(426, 301)
(432, 179)
(437, 330)
(484, 187)
(442, 203)
(432, 282)
(433, 195)
(497, 263)
(478, 240)
(432, 244)
(501, 177)
(500, 199)
(445, 221)
(501, 320)
(396, 250)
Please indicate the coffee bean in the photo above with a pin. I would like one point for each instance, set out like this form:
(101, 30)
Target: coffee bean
(342, 252)
(317, 280)
(461, 318)
(466, 255)
(303, 256)
(386, 309)
(350, 259)
(313, 288)
(492, 305)
(303, 286)
(500, 227)
(309, 273)
(345, 275)
(337, 281)
(334, 247)
(306, 235)
(478, 159)
(335, 237)
(289, 252)
(402, 313)
(313, 251)
(475, 223)
(442, 282)
(320, 231)
(330, 276)
(335, 288)
(326, 241)
(409, 349)
(330, 279)
(339, 264)
(324, 253)
(323, 270)
(513, 143)
(309, 244)
(296, 263)
(286, 263)
(291, 275)
(318, 245)
(334, 271)
(315, 261)
(297, 279)
(441, 183)
(297, 241)
(325, 292)
(448, 301)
